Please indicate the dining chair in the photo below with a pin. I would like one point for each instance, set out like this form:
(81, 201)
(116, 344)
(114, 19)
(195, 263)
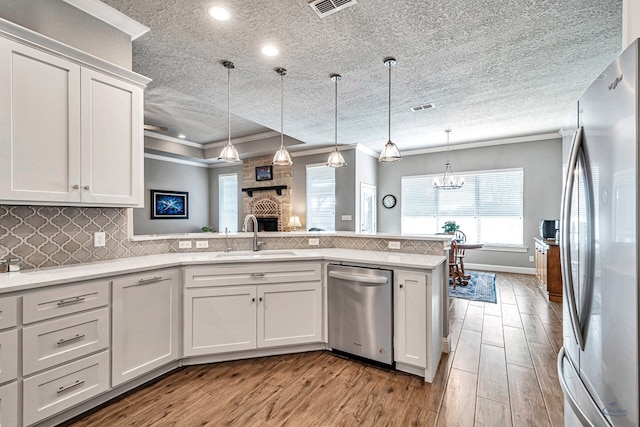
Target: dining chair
(454, 266)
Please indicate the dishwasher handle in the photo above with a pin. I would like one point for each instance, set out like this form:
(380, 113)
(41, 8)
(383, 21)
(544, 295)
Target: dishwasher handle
(359, 278)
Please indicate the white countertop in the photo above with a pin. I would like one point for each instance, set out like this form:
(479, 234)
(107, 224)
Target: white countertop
(29, 279)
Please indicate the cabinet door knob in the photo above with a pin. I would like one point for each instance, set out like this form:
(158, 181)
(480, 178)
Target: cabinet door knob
(260, 299)
(86, 187)
(401, 286)
(253, 300)
(75, 187)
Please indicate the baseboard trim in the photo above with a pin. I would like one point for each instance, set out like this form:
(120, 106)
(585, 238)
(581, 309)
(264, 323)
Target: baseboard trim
(500, 268)
(446, 344)
(251, 354)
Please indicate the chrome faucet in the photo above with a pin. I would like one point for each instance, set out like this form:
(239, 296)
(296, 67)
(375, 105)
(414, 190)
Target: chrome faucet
(256, 244)
(227, 248)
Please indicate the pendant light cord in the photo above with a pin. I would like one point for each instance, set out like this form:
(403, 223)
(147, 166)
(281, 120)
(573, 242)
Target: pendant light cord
(281, 110)
(390, 101)
(336, 78)
(229, 101)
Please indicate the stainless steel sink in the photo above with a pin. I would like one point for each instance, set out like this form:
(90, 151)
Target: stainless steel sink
(252, 254)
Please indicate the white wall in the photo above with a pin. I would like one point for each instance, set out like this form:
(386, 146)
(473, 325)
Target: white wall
(542, 164)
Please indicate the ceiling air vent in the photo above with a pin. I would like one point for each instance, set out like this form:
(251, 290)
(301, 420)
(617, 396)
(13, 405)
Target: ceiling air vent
(327, 7)
(423, 107)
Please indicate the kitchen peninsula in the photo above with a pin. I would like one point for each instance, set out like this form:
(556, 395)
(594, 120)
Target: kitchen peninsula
(90, 335)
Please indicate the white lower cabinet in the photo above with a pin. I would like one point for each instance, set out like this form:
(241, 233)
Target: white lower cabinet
(9, 405)
(289, 314)
(8, 356)
(145, 323)
(222, 319)
(410, 318)
(57, 389)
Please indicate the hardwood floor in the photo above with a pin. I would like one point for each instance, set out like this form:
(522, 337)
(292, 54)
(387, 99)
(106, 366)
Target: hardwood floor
(501, 372)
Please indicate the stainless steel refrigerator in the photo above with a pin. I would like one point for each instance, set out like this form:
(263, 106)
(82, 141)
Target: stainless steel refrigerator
(598, 365)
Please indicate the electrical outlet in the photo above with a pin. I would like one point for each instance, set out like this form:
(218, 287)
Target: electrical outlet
(202, 244)
(99, 239)
(314, 242)
(531, 258)
(394, 245)
(346, 217)
(184, 244)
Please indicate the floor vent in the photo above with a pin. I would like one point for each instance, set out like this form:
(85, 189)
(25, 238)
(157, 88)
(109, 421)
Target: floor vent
(423, 107)
(327, 7)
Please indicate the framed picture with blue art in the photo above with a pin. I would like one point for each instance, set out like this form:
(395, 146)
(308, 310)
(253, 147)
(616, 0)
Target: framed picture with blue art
(264, 173)
(169, 204)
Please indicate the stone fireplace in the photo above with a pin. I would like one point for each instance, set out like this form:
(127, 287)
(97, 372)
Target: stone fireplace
(272, 208)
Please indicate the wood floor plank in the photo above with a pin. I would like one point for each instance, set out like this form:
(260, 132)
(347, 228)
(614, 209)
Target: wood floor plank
(492, 414)
(507, 296)
(455, 328)
(516, 348)
(554, 333)
(493, 309)
(458, 308)
(492, 331)
(546, 372)
(492, 374)
(533, 329)
(468, 352)
(511, 315)
(527, 405)
(525, 304)
(474, 317)
(458, 404)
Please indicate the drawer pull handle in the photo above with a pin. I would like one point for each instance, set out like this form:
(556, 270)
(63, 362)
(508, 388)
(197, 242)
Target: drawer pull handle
(65, 302)
(67, 387)
(152, 279)
(73, 338)
(257, 274)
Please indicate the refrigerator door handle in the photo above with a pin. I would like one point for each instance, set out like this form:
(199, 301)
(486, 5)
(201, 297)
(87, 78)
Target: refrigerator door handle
(570, 398)
(565, 218)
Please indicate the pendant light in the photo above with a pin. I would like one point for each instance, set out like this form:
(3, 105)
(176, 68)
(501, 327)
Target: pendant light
(335, 158)
(282, 156)
(229, 153)
(449, 181)
(390, 152)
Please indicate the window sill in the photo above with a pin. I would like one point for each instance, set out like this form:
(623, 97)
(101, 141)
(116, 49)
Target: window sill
(521, 249)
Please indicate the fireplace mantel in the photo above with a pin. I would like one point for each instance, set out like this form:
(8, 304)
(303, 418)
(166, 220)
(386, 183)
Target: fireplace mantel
(278, 189)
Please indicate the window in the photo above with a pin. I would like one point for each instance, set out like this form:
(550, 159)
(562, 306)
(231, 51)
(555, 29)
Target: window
(488, 208)
(228, 202)
(321, 197)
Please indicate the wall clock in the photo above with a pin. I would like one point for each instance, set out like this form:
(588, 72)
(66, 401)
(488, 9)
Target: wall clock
(389, 201)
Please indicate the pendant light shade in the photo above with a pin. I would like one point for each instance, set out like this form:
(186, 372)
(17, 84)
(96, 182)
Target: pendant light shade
(448, 180)
(390, 152)
(335, 158)
(229, 153)
(282, 156)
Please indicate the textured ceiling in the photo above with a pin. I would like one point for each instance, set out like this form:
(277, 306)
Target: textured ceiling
(493, 68)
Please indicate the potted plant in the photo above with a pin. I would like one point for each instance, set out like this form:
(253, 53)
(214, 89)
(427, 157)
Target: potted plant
(450, 227)
(207, 229)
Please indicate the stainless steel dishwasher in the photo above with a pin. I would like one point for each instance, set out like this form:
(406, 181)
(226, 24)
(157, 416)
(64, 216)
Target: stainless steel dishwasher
(360, 307)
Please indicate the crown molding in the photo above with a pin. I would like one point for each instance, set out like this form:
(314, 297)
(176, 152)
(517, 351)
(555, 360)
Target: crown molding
(327, 150)
(111, 16)
(152, 134)
(240, 140)
(174, 160)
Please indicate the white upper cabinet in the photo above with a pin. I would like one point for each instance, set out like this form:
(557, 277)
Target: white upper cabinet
(68, 133)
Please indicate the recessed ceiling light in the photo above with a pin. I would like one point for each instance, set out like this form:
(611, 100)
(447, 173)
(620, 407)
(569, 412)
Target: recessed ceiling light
(182, 136)
(270, 50)
(219, 13)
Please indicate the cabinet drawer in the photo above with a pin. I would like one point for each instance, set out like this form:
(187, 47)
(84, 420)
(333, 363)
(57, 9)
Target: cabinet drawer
(252, 274)
(8, 312)
(60, 388)
(8, 356)
(58, 341)
(9, 405)
(68, 300)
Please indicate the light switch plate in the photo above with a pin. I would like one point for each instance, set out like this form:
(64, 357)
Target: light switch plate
(202, 244)
(99, 239)
(314, 242)
(346, 217)
(184, 244)
(394, 245)
(531, 258)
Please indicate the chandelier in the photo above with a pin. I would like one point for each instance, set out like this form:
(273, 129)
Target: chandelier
(448, 181)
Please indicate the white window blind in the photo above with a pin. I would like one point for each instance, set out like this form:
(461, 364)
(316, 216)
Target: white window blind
(228, 202)
(488, 208)
(321, 197)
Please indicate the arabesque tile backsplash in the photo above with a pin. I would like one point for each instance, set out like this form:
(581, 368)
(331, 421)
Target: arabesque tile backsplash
(46, 236)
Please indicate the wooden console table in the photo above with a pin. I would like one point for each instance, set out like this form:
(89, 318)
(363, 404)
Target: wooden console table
(548, 273)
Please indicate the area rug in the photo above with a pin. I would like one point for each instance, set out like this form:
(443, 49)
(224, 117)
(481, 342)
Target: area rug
(481, 287)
